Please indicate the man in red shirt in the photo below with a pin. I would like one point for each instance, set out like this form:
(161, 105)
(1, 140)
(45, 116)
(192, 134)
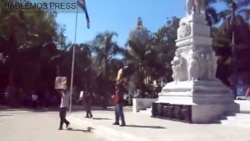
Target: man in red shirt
(119, 101)
(118, 97)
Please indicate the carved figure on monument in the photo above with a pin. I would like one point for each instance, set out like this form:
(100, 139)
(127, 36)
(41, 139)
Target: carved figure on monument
(178, 68)
(214, 66)
(202, 66)
(193, 67)
(184, 30)
(209, 66)
(194, 6)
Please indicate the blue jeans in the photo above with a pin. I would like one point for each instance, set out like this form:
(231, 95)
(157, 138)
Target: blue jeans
(119, 113)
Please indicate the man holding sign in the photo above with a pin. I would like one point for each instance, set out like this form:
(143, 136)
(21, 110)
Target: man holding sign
(118, 97)
(63, 109)
(61, 86)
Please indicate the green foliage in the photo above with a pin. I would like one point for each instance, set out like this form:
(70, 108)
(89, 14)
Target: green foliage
(27, 64)
(233, 58)
(24, 60)
(151, 60)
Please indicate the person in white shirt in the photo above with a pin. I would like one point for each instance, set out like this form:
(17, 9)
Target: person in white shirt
(34, 98)
(86, 96)
(63, 109)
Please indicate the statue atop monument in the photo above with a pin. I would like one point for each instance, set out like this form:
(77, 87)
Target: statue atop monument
(139, 22)
(140, 32)
(194, 7)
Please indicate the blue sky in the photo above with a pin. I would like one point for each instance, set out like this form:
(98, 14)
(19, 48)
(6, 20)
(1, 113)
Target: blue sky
(120, 16)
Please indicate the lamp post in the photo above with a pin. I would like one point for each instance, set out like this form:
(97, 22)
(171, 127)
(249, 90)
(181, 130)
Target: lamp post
(233, 7)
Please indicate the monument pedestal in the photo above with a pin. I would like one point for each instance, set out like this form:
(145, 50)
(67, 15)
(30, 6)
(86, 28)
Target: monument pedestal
(195, 95)
(208, 99)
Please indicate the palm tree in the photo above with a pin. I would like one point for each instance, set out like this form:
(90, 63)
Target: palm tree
(213, 16)
(231, 42)
(83, 65)
(164, 46)
(140, 56)
(104, 51)
(242, 8)
(210, 12)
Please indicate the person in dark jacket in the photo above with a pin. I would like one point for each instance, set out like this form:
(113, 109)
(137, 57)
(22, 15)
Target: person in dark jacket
(119, 102)
(119, 93)
(88, 101)
(87, 97)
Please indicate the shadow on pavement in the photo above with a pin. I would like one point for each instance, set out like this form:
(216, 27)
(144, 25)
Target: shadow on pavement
(101, 119)
(74, 109)
(50, 110)
(13, 109)
(144, 126)
(89, 129)
(5, 115)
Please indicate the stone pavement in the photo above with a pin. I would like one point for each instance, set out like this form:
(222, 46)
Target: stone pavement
(20, 125)
(144, 128)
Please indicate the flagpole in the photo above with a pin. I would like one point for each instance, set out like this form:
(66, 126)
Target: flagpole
(73, 62)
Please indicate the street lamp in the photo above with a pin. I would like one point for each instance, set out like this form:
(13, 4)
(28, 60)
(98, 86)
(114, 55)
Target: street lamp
(233, 7)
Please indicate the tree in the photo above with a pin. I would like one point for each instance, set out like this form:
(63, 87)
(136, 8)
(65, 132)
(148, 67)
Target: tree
(211, 13)
(223, 48)
(23, 33)
(164, 45)
(232, 63)
(104, 54)
(151, 58)
(139, 56)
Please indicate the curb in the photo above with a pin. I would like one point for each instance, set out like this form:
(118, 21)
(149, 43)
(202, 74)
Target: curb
(106, 132)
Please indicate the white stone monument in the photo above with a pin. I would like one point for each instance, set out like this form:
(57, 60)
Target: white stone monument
(194, 68)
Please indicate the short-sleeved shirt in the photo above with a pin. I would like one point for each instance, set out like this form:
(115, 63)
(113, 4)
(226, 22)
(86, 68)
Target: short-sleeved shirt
(64, 100)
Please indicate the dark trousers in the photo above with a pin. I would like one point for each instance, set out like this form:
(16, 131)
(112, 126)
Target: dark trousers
(88, 110)
(63, 119)
(119, 113)
(35, 104)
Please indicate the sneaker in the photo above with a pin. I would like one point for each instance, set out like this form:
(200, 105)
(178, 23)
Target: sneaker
(123, 124)
(67, 125)
(116, 123)
(60, 128)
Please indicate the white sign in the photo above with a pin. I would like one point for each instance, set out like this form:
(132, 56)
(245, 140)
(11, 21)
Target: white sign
(60, 82)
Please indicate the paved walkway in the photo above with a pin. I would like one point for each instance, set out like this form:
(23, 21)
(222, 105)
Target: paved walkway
(20, 125)
(144, 128)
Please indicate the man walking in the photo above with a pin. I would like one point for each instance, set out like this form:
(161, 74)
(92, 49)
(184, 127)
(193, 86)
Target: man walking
(63, 109)
(34, 98)
(86, 96)
(88, 102)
